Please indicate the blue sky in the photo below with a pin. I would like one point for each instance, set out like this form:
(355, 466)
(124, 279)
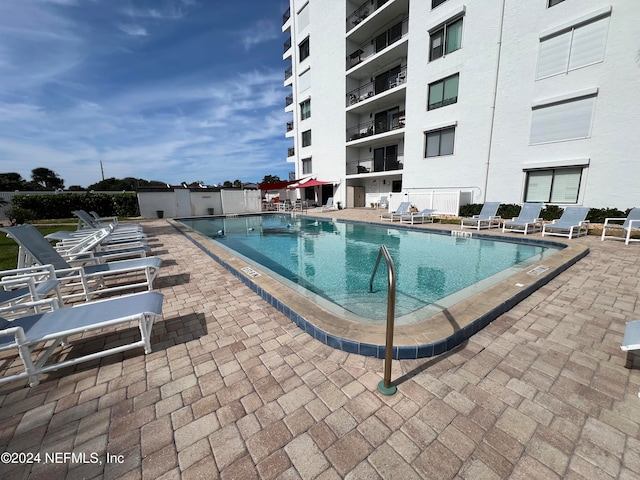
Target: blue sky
(169, 90)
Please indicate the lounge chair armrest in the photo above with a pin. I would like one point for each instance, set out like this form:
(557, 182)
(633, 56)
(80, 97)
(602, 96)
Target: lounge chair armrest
(613, 219)
(15, 332)
(495, 217)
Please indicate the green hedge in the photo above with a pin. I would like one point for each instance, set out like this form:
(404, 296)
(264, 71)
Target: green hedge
(550, 212)
(42, 207)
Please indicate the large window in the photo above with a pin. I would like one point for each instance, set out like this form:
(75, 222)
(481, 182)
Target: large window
(443, 92)
(560, 185)
(566, 120)
(304, 49)
(306, 166)
(439, 142)
(305, 109)
(306, 138)
(573, 48)
(446, 39)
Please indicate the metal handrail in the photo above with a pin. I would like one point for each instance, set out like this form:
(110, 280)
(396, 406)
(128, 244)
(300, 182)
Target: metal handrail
(385, 385)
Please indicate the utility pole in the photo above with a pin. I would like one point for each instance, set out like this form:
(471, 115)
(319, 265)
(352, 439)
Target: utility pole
(102, 170)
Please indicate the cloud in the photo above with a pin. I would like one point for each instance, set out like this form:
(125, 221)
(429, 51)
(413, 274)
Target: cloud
(262, 31)
(157, 109)
(133, 30)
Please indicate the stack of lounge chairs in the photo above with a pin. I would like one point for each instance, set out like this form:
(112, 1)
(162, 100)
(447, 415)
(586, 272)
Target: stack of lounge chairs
(35, 321)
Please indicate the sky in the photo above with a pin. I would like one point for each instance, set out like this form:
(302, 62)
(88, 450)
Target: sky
(168, 90)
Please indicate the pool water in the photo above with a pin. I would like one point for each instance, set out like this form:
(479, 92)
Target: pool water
(333, 262)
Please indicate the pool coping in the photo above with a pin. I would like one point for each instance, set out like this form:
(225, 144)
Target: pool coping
(433, 336)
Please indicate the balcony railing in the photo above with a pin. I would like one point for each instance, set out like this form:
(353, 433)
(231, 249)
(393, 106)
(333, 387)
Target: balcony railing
(372, 127)
(378, 44)
(291, 151)
(286, 15)
(387, 163)
(288, 100)
(289, 126)
(376, 87)
(287, 45)
(362, 12)
(288, 72)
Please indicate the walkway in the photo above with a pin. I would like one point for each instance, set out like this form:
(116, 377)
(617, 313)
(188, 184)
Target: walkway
(234, 390)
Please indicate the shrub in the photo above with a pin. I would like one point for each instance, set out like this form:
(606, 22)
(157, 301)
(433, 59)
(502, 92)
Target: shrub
(18, 216)
(61, 205)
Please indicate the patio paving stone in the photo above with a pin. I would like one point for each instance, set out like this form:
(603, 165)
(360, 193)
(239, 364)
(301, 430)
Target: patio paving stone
(234, 389)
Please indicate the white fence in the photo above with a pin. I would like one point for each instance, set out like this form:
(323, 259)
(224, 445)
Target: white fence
(445, 202)
(189, 203)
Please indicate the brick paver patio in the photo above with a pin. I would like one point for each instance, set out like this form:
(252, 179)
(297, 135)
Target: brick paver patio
(234, 390)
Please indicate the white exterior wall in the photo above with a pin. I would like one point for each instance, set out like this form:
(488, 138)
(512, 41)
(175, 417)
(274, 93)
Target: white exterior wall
(476, 63)
(612, 176)
(493, 114)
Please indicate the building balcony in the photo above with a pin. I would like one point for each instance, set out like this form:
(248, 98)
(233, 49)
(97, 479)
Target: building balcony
(289, 126)
(373, 128)
(364, 11)
(291, 151)
(380, 85)
(287, 45)
(388, 163)
(288, 100)
(286, 16)
(372, 16)
(376, 45)
(287, 73)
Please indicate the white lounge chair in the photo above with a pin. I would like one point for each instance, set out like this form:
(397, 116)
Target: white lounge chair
(24, 289)
(36, 250)
(487, 217)
(423, 216)
(402, 209)
(25, 333)
(528, 221)
(383, 203)
(629, 225)
(328, 206)
(87, 221)
(571, 224)
(96, 245)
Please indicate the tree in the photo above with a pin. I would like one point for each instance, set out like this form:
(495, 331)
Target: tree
(271, 179)
(237, 183)
(46, 179)
(227, 184)
(12, 181)
(128, 183)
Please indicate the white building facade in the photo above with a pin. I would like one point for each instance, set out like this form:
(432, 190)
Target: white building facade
(446, 102)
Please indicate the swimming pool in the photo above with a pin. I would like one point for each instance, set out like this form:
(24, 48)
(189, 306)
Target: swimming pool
(334, 261)
(448, 287)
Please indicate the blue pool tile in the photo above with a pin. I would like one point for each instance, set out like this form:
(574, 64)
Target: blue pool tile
(407, 353)
(439, 347)
(350, 346)
(368, 350)
(334, 342)
(425, 350)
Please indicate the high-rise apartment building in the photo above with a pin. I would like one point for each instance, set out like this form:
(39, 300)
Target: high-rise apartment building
(444, 102)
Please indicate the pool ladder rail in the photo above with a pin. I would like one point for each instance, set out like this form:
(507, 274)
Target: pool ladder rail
(461, 233)
(385, 386)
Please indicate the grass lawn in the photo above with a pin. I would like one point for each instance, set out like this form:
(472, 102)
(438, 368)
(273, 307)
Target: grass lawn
(9, 248)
